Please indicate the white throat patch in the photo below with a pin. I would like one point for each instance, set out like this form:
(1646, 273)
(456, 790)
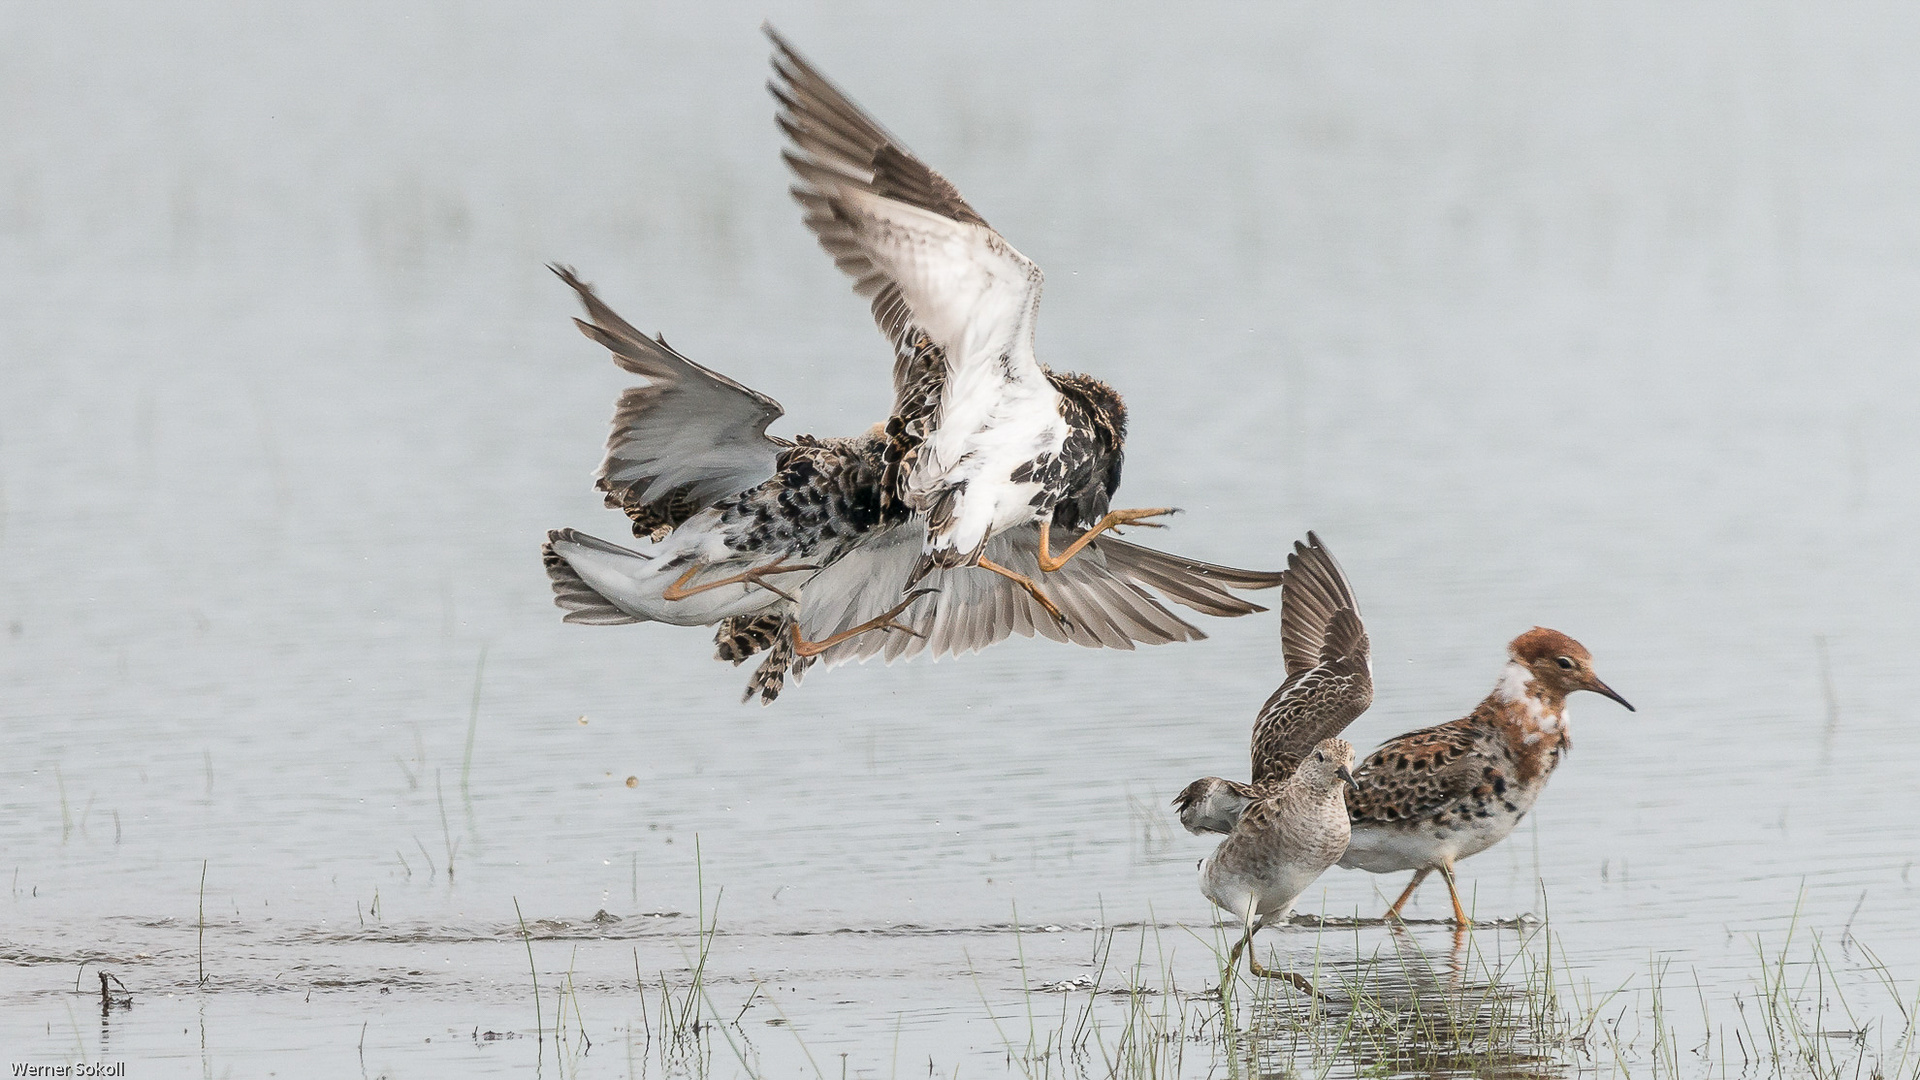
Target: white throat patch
(1513, 683)
(1516, 684)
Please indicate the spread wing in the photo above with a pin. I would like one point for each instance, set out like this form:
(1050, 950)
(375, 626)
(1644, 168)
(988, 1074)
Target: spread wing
(1413, 776)
(1329, 676)
(686, 438)
(1316, 589)
(1201, 586)
(945, 286)
(969, 610)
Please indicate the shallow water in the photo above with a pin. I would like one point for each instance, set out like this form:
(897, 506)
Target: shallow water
(1597, 319)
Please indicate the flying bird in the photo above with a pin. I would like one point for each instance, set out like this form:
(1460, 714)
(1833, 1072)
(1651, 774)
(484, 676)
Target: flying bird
(792, 549)
(984, 438)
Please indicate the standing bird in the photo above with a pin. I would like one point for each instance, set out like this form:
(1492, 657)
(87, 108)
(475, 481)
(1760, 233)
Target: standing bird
(1290, 824)
(791, 549)
(983, 438)
(1437, 795)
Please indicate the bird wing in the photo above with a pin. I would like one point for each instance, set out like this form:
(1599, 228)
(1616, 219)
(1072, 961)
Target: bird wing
(1329, 675)
(1201, 586)
(1315, 590)
(686, 438)
(1414, 775)
(945, 287)
(1213, 804)
(970, 609)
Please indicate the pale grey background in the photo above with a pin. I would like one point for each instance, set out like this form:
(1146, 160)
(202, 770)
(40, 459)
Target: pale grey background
(1599, 318)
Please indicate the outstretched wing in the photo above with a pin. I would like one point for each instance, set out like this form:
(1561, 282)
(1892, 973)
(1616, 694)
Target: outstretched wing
(832, 144)
(684, 440)
(1191, 583)
(1329, 676)
(969, 609)
(945, 286)
(1316, 590)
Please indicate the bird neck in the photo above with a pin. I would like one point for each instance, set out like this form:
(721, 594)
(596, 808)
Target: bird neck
(1531, 715)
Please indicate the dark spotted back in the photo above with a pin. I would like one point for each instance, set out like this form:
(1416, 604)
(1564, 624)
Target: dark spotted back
(1425, 773)
(824, 494)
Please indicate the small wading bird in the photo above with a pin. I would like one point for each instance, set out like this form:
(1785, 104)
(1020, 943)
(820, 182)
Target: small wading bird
(791, 548)
(1288, 826)
(984, 438)
(1435, 796)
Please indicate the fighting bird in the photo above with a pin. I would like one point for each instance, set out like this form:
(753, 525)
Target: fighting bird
(1290, 824)
(792, 548)
(984, 438)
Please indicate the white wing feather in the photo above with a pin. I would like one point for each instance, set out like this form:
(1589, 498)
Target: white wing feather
(967, 287)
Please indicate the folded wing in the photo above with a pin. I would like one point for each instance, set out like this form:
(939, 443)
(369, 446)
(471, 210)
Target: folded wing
(1213, 804)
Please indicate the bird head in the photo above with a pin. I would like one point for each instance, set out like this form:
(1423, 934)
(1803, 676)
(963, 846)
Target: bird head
(1328, 766)
(1557, 661)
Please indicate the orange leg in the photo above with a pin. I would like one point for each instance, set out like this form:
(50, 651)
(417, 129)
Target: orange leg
(814, 648)
(1114, 518)
(1419, 876)
(1028, 584)
(1459, 913)
(676, 591)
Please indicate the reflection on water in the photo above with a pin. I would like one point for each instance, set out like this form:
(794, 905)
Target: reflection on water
(1404, 1011)
(1597, 318)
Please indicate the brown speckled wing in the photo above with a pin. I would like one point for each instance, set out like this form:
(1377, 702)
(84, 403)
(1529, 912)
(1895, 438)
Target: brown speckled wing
(1329, 677)
(1316, 590)
(1421, 773)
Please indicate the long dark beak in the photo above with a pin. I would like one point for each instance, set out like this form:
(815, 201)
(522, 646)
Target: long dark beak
(1347, 774)
(1599, 687)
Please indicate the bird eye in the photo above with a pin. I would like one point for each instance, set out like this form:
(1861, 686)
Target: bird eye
(1565, 663)
(1319, 756)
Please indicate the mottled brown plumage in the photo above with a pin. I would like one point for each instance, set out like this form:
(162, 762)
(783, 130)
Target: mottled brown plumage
(1282, 843)
(1440, 794)
(1329, 684)
(1329, 670)
(1286, 827)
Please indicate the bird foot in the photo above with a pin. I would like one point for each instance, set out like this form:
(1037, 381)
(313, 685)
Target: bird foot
(1113, 520)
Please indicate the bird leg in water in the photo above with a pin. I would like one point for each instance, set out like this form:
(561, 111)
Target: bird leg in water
(885, 621)
(676, 591)
(1459, 913)
(1027, 583)
(1300, 982)
(1114, 518)
(1406, 894)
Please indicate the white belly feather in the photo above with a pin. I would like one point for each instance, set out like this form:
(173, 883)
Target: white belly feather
(989, 428)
